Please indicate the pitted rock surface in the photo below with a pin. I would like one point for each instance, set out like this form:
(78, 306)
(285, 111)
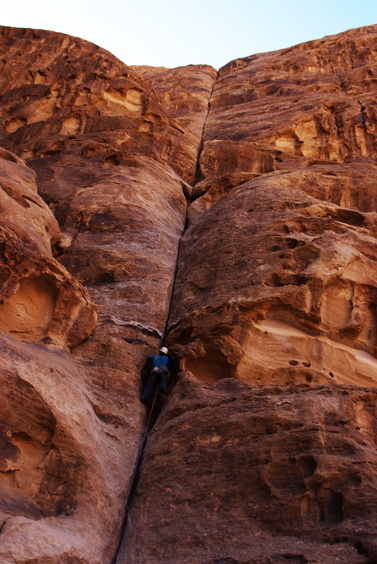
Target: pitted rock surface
(112, 163)
(276, 274)
(288, 109)
(258, 474)
(62, 461)
(295, 278)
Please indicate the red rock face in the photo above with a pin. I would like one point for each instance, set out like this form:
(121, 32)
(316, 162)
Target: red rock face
(110, 162)
(278, 477)
(282, 110)
(233, 213)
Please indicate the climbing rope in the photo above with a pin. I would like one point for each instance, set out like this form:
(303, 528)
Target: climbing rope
(152, 416)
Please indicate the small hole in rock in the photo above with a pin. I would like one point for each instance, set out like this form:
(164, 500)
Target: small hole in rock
(360, 548)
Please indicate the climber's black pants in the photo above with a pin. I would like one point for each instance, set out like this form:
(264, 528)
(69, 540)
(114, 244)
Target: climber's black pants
(155, 379)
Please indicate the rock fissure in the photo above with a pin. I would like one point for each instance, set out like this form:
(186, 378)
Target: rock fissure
(201, 144)
(152, 418)
(189, 199)
(133, 482)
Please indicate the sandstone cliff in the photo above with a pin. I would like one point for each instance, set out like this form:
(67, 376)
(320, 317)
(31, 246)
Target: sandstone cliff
(232, 214)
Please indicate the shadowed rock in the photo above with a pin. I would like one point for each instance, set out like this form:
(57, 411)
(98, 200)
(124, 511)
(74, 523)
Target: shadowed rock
(260, 474)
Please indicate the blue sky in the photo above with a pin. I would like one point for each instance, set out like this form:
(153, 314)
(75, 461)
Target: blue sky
(174, 33)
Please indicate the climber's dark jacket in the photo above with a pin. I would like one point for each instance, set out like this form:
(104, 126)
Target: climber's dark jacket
(159, 375)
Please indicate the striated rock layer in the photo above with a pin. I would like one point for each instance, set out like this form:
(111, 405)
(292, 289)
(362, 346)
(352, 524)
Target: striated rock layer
(232, 214)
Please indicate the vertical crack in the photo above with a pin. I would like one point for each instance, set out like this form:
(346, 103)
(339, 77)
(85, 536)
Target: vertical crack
(131, 490)
(152, 418)
(185, 226)
(198, 174)
(198, 177)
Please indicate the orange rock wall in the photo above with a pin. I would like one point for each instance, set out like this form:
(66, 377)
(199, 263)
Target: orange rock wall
(232, 213)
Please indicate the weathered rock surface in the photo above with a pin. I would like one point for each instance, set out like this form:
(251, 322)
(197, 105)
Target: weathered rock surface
(242, 474)
(183, 93)
(265, 451)
(308, 278)
(62, 456)
(284, 110)
(40, 300)
(276, 284)
(281, 241)
(111, 162)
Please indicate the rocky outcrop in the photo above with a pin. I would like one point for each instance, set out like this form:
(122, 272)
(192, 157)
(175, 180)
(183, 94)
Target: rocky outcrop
(275, 286)
(61, 449)
(111, 162)
(282, 111)
(232, 214)
(62, 458)
(307, 279)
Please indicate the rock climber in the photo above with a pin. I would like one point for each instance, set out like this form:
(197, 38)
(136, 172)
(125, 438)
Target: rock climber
(159, 374)
(363, 117)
